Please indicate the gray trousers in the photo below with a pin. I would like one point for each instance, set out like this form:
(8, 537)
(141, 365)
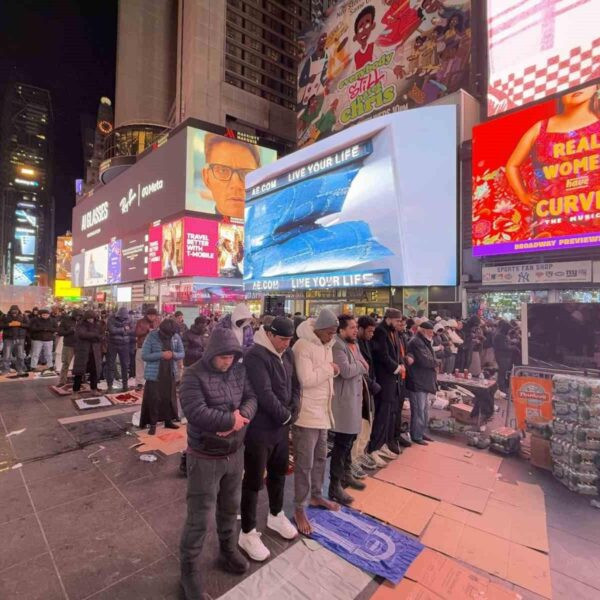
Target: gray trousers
(310, 456)
(212, 483)
(419, 414)
(68, 352)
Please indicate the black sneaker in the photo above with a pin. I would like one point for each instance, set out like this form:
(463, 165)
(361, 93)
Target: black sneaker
(427, 438)
(233, 561)
(404, 442)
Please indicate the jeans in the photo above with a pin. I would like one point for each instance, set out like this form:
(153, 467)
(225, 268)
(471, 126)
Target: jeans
(259, 456)
(211, 482)
(19, 347)
(68, 352)
(341, 456)
(419, 414)
(139, 367)
(111, 357)
(310, 454)
(37, 347)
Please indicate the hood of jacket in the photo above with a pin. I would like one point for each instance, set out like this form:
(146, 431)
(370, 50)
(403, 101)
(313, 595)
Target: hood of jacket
(306, 331)
(123, 314)
(262, 339)
(14, 309)
(241, 312)
(222, 341)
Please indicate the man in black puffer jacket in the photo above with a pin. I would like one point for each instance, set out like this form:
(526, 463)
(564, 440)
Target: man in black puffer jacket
(270, 367)
(218, 401)
(66, 329)
(119, 327)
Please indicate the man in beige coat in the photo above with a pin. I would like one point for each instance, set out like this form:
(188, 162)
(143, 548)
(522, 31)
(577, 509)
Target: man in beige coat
(315, 370)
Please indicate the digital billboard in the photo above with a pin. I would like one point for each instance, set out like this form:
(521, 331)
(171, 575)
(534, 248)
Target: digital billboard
(536, 177)
(537, 49)
(77, 270)
(63, 289)
(96, 266)
(369, 206)
(373, 57)
(64, 247)
(201, 241)
(114, 261)
(133, 257)
(25, 238)
(23, 273)
(216, 170)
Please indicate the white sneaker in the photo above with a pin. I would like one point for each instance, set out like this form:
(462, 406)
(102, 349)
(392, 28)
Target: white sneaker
(377, 459)
(387, 453)
(253, 546)
(282, 525)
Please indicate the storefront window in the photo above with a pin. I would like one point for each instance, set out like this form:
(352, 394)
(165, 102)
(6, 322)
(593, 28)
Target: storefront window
(504, 305)
(585, 296)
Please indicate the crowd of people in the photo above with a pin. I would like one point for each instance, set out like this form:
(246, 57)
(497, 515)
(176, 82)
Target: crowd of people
(251, 388)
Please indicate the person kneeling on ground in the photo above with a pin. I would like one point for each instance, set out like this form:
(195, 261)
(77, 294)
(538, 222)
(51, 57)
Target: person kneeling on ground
(218, 401)
(161, 350)
(315, 369)
(270, 367)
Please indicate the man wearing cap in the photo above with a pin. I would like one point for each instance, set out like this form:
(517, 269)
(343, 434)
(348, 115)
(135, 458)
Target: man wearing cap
(390, 360)
(218, 401)
(270, 367)
(421, 381)
(315, 370)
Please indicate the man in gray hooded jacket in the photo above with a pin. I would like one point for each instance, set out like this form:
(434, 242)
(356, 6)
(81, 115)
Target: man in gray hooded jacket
(218, 401)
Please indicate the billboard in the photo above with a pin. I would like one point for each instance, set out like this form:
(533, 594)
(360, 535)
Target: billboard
(231, 250)
(23, 273)
(96, 266)
(114, 261)
(372, 57)
(77, 270)
(537, 49)
(25, 239)
(216, 171)
(151, 189)
(64, 248)
(63, 289)
(201, 241)
(134, 257)
(536, 177)
(360, 208)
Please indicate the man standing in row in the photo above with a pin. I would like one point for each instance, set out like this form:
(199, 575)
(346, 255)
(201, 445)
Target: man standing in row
(316, 370)
(218, 401)
(142, 328)
(118, 327)
(42, 330)
(270, 367)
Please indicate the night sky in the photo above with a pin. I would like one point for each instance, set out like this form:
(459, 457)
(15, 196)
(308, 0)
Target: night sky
(68, 47)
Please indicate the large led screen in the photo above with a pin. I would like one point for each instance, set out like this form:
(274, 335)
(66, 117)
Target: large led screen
(216, 170)
(538, 48)
(64, 252)
(96, 266)
(372, 57)
(77, 270)
(536, 177)
(133, 257)
(372, 205)
(23, 273)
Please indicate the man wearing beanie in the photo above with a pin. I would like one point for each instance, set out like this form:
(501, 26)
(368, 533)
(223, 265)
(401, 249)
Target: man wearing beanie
(270, 367)
(315, 370)
(390, 360)
(421, 381)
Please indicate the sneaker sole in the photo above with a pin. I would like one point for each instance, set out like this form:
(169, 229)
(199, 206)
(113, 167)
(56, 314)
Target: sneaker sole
(281, 534)
(223, 562)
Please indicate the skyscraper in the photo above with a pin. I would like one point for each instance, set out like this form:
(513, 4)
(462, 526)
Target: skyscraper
(94, 133)
(26, 201)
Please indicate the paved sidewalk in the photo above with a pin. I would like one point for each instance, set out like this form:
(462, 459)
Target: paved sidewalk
(79, 522)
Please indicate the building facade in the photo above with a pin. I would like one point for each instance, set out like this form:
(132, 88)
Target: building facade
(27, 204)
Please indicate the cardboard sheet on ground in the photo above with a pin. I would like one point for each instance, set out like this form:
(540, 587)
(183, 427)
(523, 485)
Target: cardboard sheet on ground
(130, 398)
(12, 377)
(167, 441)
(505, 559)
(364, 542)
(300, 573)
(434, 576)
(435, 486)
(399, 507)
(470, 455)
(519, 525)
(92, 402)
(520, 494)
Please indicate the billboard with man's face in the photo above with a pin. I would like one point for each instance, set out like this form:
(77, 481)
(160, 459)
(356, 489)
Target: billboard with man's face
(373, 57)
(217, 167)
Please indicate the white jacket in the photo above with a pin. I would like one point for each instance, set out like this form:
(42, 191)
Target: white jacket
(455, 339)
(314, 371)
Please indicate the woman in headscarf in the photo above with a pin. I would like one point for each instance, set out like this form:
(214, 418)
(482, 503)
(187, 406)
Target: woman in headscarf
(161, 351)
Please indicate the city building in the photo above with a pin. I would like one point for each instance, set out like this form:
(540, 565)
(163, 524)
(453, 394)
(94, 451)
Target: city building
(94, 142)
(27, 204)
(231, 63)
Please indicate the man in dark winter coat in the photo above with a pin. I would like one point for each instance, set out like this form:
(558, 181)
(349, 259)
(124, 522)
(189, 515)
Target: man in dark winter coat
(66, 329)
(194, 341)
(14, 331)
(421, 381)
(88, 352)
(218, 401)
(390, 360)
(42, 330)
(118, 327)
(270, 367)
